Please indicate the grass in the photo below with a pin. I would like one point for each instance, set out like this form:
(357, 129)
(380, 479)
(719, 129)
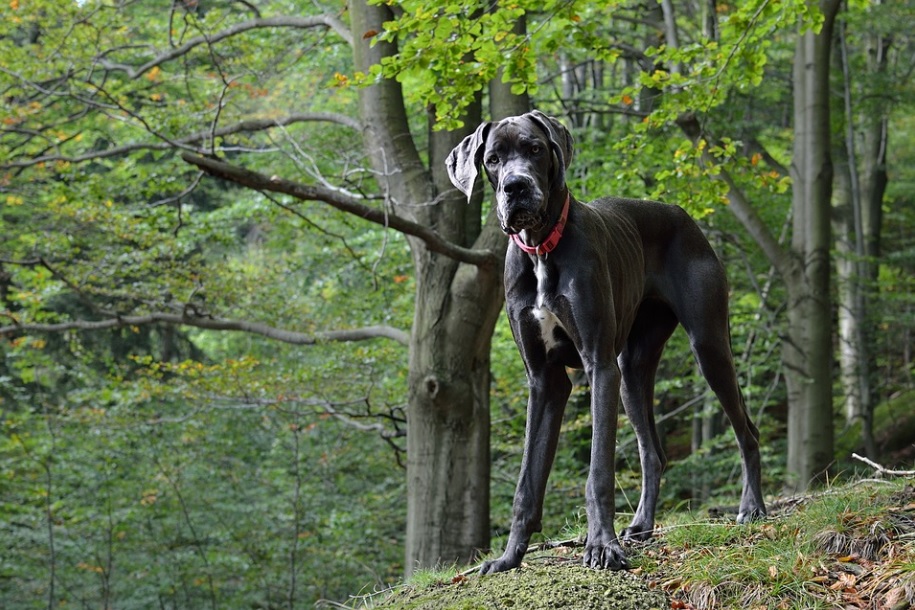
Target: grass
(850, 546)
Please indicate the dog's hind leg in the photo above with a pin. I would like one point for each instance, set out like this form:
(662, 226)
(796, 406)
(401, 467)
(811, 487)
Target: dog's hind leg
(711, 344)
(653, 325)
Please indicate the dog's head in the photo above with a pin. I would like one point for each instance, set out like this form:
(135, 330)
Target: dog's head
(525, 158)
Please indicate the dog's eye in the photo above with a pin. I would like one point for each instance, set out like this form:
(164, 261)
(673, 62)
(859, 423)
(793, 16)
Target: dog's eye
(536, 149)
(492, 160)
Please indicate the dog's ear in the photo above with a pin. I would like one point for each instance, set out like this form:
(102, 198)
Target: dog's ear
(560, 139)
(463, 163)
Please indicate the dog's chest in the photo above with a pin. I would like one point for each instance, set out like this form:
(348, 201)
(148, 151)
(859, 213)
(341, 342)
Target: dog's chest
(551, 328)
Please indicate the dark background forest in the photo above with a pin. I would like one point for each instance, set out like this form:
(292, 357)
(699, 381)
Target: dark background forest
(252, 351)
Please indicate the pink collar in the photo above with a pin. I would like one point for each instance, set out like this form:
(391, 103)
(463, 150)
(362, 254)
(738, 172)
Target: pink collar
(552, 240)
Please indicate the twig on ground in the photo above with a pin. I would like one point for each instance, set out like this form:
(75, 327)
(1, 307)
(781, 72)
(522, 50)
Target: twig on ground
(881, 470)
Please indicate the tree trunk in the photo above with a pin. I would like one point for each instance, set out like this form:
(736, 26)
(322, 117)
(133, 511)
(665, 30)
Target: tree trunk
(858, 224)
(448, 414)
(807, 348)
(449, 377)
(502, 102)
(456, 307)
(854, 363)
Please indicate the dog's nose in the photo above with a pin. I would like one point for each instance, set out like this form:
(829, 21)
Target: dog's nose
(516, 185)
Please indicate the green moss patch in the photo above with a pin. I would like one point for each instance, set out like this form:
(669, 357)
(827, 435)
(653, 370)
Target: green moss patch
(546, 586)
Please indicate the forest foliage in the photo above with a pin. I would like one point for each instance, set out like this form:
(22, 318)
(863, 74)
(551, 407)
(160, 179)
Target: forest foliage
(203, 386)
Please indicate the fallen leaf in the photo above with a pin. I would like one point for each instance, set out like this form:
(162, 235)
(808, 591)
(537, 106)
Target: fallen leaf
(847, 559)
(844, 582)
(893, 597)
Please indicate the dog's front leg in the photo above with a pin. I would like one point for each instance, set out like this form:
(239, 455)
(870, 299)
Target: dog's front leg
(602, 549)
(550, 389)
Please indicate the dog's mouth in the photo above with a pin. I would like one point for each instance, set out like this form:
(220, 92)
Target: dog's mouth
(522, 220)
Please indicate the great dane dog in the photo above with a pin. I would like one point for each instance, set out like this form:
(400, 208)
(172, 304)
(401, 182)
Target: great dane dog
(599, 286)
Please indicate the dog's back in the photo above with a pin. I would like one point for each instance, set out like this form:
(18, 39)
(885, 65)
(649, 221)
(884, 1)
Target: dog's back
(676, 254)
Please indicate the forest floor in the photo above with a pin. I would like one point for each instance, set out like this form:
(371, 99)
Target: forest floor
(849, 547)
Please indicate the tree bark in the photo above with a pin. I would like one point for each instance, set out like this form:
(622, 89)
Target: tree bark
(854, 362)
(858, 240)
(502, 102)
(456, 308)
(807, 347)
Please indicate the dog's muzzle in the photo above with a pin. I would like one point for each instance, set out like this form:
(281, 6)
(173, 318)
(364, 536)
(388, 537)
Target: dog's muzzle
(520, 204)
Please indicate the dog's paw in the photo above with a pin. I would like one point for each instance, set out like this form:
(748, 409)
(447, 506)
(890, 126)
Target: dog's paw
(508, 561)
(752, 513)
(498, 565)
(637, 532)
(606, 556)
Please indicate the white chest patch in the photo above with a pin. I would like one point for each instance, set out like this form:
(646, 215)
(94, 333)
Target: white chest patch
(547, 320)
(548, 325)
(540, 274)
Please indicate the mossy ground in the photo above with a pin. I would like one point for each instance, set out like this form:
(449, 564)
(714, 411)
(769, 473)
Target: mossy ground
(539, 585)
(846, 547)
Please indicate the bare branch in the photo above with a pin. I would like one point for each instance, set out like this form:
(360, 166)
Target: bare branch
(262, 124)
(239, 28)
(210, 323)
(881, 470)
(340, 410)
(342, 202)
(250, 125)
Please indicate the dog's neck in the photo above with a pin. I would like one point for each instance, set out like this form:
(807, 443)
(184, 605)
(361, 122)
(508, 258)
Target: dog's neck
(542, 242)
